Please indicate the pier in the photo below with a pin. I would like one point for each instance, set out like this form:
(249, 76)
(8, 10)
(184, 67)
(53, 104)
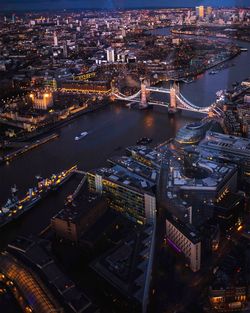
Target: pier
(9, 157)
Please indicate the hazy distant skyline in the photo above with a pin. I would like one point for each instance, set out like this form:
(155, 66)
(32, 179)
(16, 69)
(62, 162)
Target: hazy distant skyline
(112, 4)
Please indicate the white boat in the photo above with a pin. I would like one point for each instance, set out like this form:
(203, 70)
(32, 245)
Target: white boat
(82, 135)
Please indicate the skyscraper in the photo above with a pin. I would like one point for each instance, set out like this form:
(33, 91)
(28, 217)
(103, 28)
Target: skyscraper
(209, 11)
(65, 50)
(197, 11)
(110, 55)
(55, 40)
(200, 11)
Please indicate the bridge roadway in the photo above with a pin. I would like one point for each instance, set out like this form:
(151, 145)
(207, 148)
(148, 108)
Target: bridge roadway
(182, 102)
(156, 89)
(166, 105)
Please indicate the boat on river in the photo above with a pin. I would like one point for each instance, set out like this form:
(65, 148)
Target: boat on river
(81, 136)
(15, 207)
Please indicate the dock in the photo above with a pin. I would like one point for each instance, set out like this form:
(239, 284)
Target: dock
(9, 157)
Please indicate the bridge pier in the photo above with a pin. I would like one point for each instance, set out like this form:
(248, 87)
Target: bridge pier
(144, 93)
(174, 91)
(177, 100)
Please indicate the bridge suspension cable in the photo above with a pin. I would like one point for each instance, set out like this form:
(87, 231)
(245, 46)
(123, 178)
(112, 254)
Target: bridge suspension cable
(121, 96)
(184, 102)
(187, 104)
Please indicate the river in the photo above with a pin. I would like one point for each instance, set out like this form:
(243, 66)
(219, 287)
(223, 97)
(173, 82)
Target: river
(110, 127)
(202, 91)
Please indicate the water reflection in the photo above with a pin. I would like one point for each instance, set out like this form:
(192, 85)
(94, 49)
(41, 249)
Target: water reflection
(149, 121)
(118, 109)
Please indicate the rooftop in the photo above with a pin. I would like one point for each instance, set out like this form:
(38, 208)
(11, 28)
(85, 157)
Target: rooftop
(205, 175)
(147, 153)
(187, 229)
(227, 144)
(36, 254)
(124, 177)
(126, 264)
(74, 210)
(135, 167)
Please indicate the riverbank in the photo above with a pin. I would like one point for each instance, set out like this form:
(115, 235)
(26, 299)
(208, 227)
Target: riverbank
(10, 156)
(56, 125)
(192, 33)
(202, 91)
(112, 127)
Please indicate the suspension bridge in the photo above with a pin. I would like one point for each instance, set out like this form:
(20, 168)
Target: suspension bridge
(177, 100)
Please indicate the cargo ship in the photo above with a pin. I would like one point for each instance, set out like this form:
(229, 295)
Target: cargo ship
(82, 135)
(15, 207)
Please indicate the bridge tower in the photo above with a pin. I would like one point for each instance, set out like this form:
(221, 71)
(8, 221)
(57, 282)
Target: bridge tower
(113, 90)
(144, 93)
(174, 92)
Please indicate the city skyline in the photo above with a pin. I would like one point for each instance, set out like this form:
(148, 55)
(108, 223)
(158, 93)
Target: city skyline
(21, 5)
(124, 156)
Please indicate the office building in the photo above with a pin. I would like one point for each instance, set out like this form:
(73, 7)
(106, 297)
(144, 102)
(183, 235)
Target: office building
(65, 50)
(128, 266)
(146, 155)
(126, 192)
(229, 299)
(229, 291)
(209, 11)
(77, 217)
(191, 186)
(136, 167)
(55, 40)
(193, 133)
(200, 11)
(227, 148)
(243, 113)
(110, 55)
(184, 239)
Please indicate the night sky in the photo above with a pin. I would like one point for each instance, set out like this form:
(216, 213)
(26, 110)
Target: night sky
(109, 4)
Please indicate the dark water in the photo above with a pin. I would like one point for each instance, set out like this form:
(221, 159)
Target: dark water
(202, 91)
(108, 128)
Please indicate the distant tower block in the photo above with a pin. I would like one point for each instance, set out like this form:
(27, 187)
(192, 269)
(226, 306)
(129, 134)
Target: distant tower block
(65, 50)
(55, 40)
(110, 55)
(174, 91)
(144, 93)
